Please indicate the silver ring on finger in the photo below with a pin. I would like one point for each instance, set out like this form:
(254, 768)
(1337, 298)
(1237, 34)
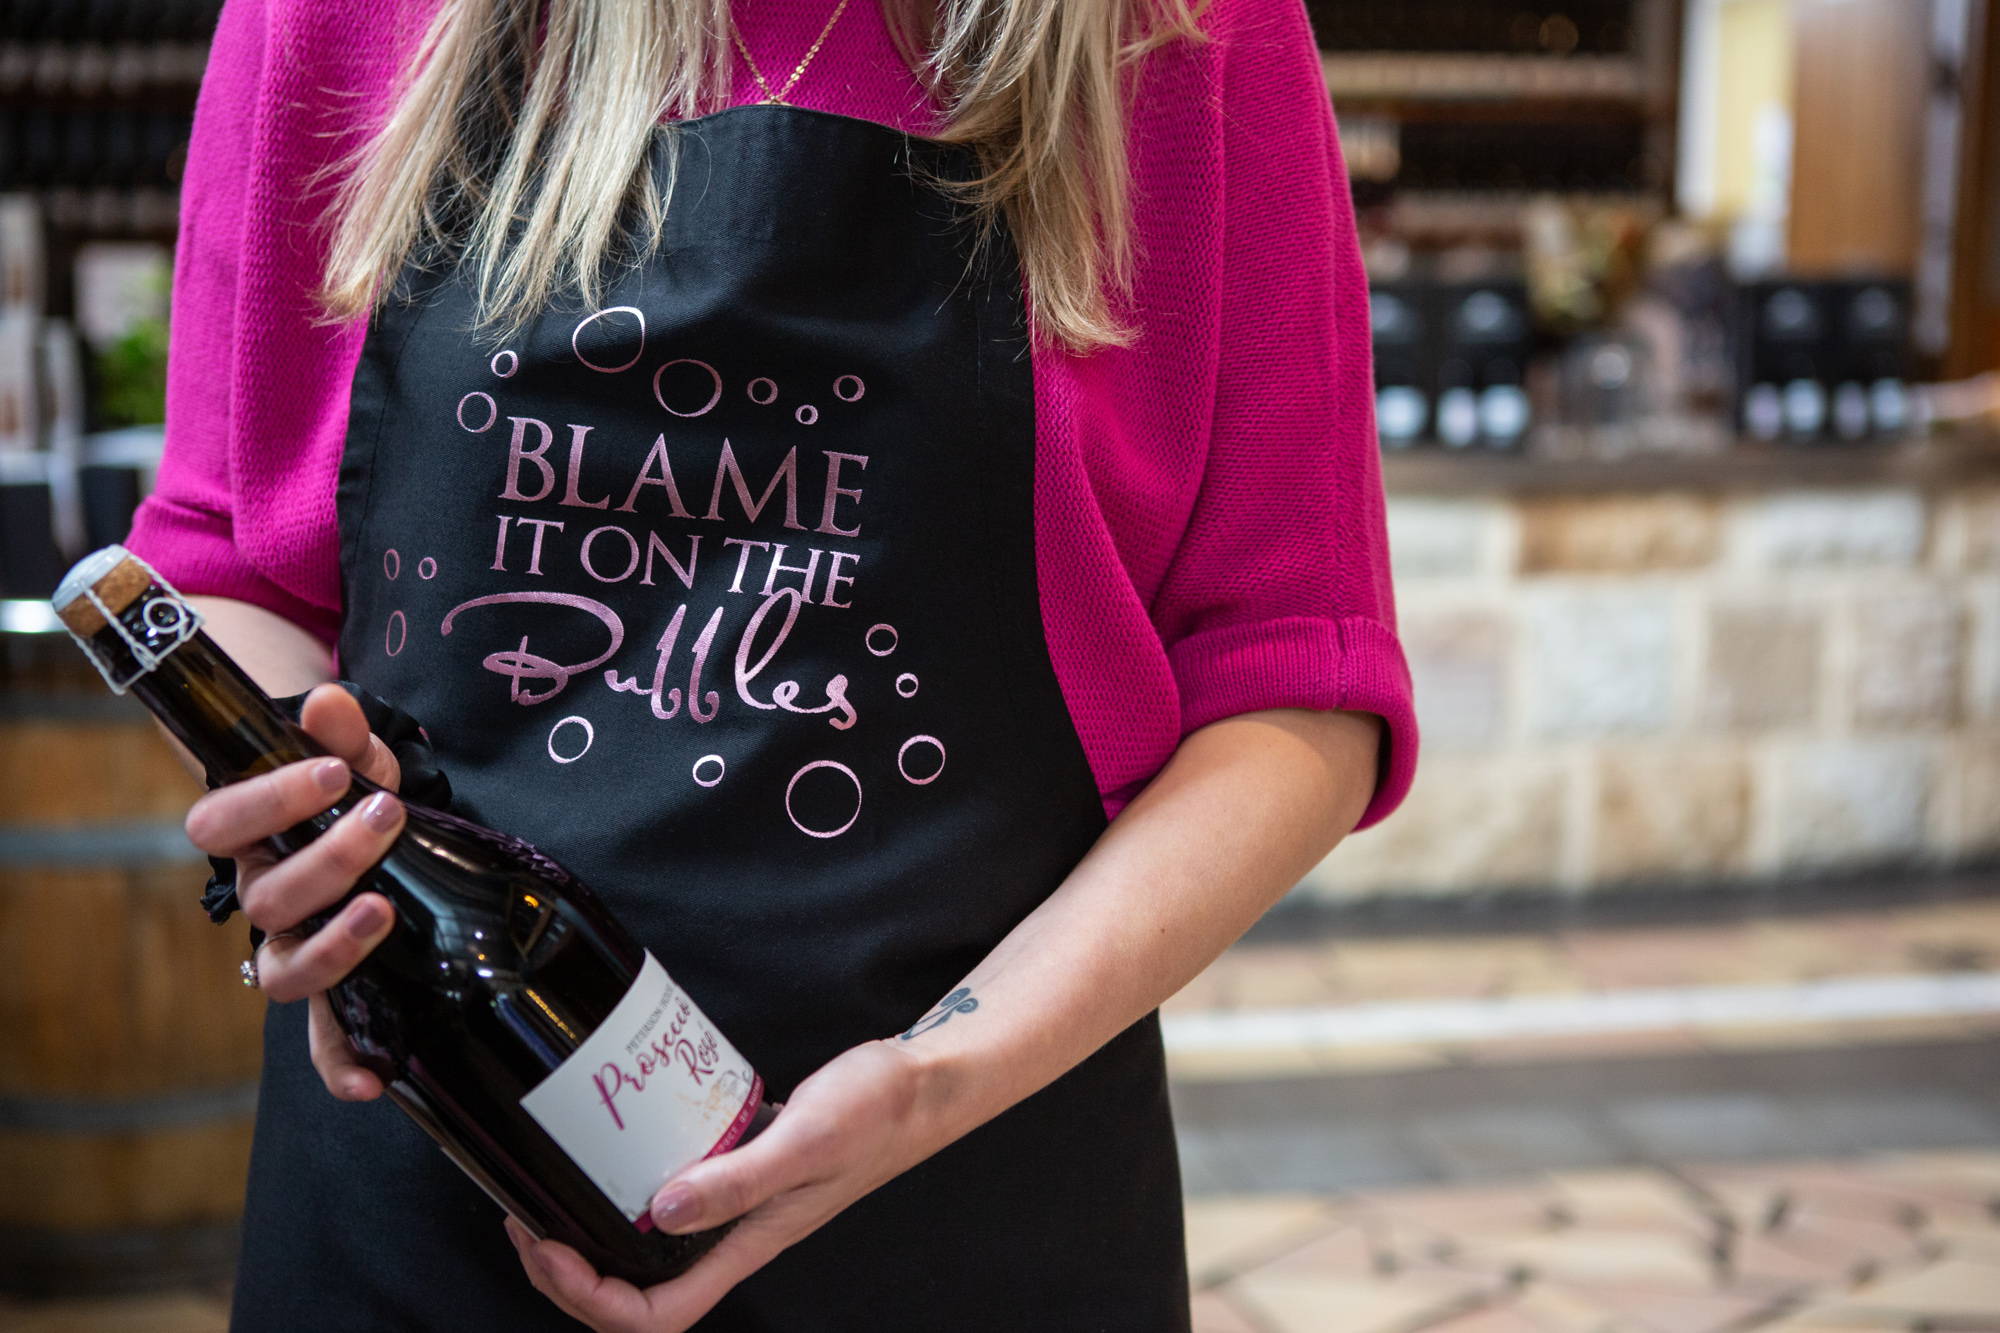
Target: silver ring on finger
(247, 969)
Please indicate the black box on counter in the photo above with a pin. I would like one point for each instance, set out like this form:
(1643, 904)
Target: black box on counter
(1871, 363)
(1823, 359)
(31, 561)
(1405, 369)
(1485, 338)
(1451, 363)
(109, 495)
(49, 513)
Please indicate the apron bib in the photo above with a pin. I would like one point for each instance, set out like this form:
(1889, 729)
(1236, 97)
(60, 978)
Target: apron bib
(722, 592)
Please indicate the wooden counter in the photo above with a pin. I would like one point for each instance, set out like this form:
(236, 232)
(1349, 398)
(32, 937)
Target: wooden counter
(1932, 463)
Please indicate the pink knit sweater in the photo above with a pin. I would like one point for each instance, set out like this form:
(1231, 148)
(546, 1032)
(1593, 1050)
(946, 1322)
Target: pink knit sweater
(1208, 503)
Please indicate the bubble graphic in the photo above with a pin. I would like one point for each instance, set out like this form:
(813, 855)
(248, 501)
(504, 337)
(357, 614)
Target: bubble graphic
(576, 335)
(715, 394)
(396, 635)
(859, 389)
(392, 564)
(906, 685)
(720, 769)
(768, 398)
(902, 758)
(873, 632)
(492, 412)
(589, 736)
(513, 363)
(844, 771)
(427, 568)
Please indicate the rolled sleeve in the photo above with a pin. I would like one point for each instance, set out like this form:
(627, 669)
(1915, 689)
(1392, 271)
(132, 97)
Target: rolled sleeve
(1279, 593)
(1352, 665)
(193, 549)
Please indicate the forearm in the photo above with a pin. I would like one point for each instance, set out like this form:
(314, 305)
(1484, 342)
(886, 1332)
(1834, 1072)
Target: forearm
(1242, 810)
(279, 656)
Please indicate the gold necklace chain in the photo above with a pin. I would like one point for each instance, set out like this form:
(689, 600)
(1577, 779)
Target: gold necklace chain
(779, 95)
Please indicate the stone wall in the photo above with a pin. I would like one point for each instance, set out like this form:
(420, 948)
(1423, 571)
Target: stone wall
(1684, 686)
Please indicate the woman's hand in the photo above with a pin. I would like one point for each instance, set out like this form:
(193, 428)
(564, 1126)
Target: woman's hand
(860, 1121)
(1244, 808)
(278, 893)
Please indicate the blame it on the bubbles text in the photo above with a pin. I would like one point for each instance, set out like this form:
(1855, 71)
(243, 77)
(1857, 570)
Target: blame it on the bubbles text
(683, 509)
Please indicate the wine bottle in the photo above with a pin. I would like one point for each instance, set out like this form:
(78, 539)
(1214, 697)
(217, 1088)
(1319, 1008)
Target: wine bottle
(508, 1012)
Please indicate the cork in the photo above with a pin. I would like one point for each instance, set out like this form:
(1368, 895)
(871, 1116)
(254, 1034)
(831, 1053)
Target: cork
(118, 586)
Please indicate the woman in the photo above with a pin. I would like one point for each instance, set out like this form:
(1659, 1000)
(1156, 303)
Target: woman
(884, 491)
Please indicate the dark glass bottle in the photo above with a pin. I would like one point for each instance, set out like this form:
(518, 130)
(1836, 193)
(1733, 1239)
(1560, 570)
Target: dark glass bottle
(502, 967)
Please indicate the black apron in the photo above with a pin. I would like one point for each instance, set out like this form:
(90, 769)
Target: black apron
(723, 593)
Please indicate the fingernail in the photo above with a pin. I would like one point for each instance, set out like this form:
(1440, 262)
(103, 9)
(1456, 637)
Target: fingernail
(367, 919)
(330, 775)
(380, 811)
(675, 1205)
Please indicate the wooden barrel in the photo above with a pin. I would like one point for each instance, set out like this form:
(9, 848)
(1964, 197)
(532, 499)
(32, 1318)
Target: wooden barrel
(128, 1045)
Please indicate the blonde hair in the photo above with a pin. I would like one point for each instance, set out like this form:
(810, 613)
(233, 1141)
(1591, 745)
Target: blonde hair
(518, 143)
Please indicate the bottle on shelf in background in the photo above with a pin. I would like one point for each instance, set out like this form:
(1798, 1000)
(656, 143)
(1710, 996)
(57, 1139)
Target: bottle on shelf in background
(20, 394)
(23, 256)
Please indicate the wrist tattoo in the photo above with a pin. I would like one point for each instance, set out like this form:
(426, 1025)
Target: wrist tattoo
(960, 1001)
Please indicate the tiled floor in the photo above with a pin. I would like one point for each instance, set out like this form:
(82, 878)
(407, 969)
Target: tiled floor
(1889, 1242)
(1816, 1175)
(1353, 1168)
(1906, 1242)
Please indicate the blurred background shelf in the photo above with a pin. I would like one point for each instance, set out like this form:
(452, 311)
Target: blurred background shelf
(131, 447)
(1470, 78)
(1968, 458)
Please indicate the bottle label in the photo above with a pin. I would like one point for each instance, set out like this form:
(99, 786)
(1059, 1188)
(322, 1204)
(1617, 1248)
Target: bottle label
(654, 1088)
